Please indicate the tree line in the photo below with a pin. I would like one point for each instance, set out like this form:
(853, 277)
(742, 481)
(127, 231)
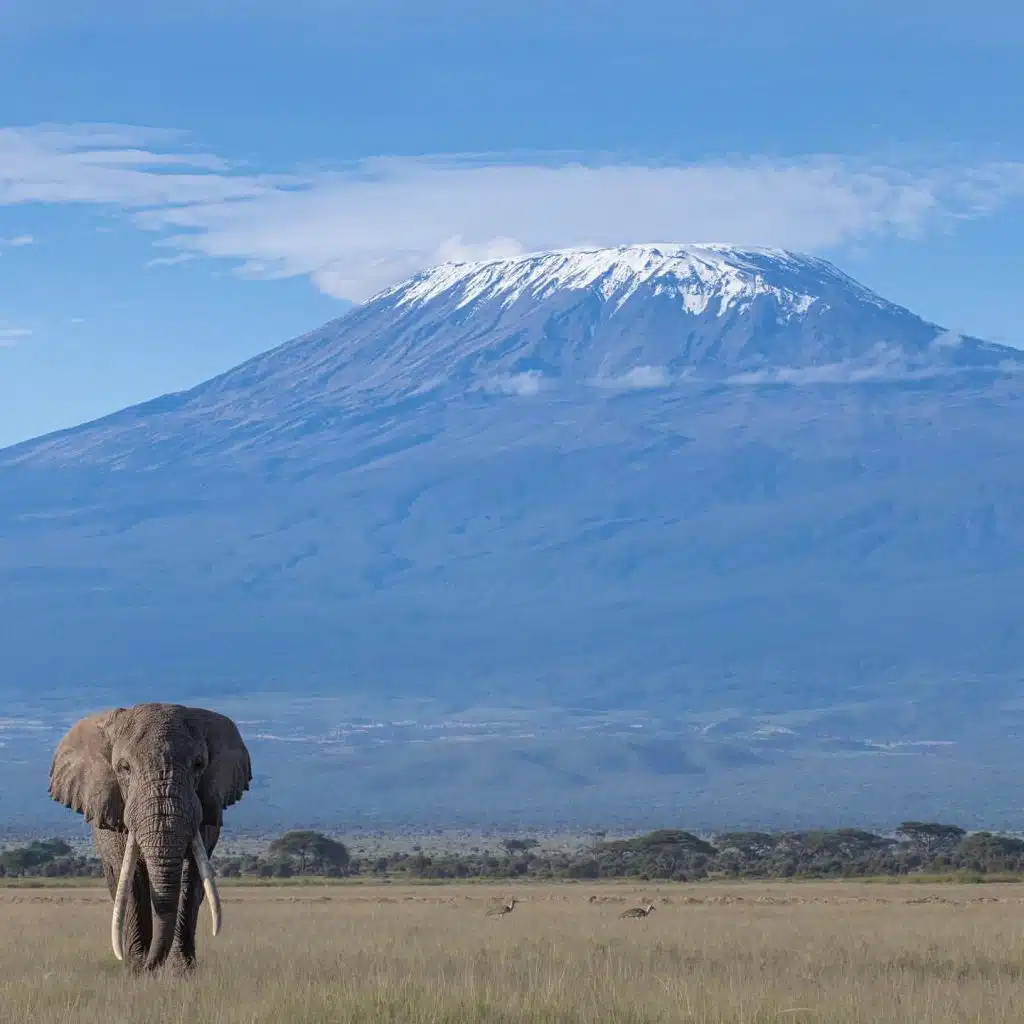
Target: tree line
(666, 854)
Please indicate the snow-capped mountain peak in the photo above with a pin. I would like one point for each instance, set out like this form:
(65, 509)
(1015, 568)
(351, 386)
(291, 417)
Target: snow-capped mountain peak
(704, 276)
(578, 323)
(655, 314)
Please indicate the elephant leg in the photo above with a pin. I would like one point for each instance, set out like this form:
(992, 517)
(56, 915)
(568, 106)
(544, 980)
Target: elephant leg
(184, 949)
(138, 923)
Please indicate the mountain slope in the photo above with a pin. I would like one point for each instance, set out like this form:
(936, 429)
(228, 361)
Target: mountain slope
(634, 318)
(669, 480)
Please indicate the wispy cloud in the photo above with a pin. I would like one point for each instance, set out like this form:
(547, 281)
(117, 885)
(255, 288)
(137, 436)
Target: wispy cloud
(10, 336)
(640, 378)
(883, 363)
(115, 165)
(16, 242)
(170, 261)
(359, 228)
(531, 382)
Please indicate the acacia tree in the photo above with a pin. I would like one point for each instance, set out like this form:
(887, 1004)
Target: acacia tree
(312, 849)
(513, 846)
(931, 838)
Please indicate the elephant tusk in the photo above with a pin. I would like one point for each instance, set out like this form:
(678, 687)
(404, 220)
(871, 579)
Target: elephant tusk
(124, 882)
(209, 883)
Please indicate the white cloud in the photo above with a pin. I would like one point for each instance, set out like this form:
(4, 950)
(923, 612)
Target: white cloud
(947, 340)
(640, 378)
(170, 261)
(111, 165)
(532, 382)
(883, 363)
(10, 336)
(17, 242)
(357, 229)
(455, 250)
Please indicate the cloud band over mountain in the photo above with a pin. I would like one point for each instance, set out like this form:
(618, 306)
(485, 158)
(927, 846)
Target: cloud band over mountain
(358, 228)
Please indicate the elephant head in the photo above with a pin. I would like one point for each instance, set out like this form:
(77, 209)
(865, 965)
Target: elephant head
(158, 772)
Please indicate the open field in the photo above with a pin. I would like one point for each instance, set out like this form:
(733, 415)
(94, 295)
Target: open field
(749, 953)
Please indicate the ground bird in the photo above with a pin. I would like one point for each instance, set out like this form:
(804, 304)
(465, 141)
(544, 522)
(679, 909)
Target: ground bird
(638, 911)
(506, 908)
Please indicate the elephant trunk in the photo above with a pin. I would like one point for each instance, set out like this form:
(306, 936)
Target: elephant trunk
(165, 890)
(166, 829)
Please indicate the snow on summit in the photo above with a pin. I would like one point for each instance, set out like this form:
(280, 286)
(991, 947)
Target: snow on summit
(702, 275)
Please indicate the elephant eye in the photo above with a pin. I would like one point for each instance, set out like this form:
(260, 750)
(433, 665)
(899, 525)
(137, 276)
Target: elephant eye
(197, 765)
(123, 766)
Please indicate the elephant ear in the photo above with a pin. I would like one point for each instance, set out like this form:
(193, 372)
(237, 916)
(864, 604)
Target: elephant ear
(81, 775)
(229, 771)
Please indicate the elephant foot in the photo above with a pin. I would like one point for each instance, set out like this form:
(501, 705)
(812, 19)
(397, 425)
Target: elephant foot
(135, 959)
(181, 965)
(177, 965)
(136, 965)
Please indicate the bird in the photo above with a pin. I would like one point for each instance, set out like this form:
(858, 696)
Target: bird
(638, 911)
(506, 908)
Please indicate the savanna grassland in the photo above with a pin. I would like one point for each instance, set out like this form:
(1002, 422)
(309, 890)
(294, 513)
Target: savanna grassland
(739, 952)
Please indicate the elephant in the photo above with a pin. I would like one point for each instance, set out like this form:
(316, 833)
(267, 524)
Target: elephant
(153, 780)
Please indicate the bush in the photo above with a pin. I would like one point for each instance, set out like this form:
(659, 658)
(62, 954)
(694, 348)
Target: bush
(670, 854)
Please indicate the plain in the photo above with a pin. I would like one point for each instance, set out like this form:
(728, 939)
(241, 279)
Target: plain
(710, 953)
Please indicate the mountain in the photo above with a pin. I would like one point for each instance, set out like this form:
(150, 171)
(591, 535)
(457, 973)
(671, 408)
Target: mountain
(610, 320)
(673, 519)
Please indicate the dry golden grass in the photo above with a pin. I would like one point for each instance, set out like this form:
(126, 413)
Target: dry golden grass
(710, 953)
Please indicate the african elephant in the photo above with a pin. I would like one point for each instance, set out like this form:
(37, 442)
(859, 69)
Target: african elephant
(153, 780)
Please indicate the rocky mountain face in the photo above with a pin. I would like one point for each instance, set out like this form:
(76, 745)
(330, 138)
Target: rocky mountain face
(725, 509)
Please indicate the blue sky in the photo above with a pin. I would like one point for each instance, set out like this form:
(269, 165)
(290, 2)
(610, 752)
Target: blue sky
(181, 189)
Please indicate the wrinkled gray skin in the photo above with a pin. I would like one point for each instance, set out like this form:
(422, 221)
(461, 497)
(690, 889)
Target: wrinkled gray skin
(162, 772)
